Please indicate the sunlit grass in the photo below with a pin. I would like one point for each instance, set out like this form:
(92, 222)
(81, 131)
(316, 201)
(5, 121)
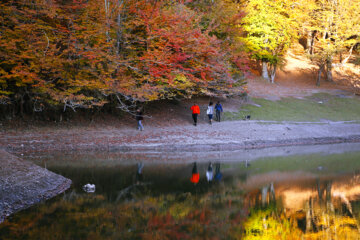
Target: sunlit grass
(314, 108)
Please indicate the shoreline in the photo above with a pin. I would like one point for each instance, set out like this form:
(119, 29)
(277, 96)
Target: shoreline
(24, 184)
(224, 136)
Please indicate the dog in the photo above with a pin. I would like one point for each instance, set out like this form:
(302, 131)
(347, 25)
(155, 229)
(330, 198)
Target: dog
(247, 117)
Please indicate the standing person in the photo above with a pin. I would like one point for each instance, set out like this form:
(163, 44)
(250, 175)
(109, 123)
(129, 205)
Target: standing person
(139, 118)
(195, 112)
(210, 112)
(218, 109)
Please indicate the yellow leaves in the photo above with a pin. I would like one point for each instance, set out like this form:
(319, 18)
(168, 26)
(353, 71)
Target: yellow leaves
(2, 93)
(181, 82)
(179, 210)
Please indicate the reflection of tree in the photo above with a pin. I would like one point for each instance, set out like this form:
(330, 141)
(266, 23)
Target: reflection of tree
(146, 215)
(267, 194)
(269, 223)
(328, 214)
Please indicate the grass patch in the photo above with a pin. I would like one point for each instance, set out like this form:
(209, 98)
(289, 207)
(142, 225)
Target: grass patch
(334, 163)
(313, 108)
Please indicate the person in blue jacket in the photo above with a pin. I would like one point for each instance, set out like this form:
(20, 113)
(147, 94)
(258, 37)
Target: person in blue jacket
(218, 109)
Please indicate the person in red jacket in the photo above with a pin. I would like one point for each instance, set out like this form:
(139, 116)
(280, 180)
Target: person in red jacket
(195, 112)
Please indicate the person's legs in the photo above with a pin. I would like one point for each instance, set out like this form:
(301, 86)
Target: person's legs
(140, 126)
(210, 118)
(195, 118)
(218, 115)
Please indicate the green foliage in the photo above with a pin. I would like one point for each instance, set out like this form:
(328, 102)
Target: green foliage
(313, 108)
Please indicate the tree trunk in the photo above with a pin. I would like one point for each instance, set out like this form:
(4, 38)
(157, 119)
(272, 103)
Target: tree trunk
(308, 216)
(328, 191)
(309, 42)
(264, 192)
(265, 73)
(272, 192)
(319, 75)
(329, 76)
(107, 5)
(118, 34)
(320, 192)
(348, 57)
(311, 36)
(22, 106)
(272, 73)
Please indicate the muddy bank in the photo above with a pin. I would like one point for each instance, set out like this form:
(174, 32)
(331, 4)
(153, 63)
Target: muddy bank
(91, 159)
(23, 184)
(219, 136)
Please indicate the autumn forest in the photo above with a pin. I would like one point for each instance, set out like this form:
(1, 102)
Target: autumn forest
(65, 55)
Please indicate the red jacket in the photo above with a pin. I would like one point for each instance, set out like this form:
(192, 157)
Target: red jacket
(195, 178)
(195, 109)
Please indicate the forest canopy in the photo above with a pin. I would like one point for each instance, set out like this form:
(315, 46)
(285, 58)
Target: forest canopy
(84, 53)
(69, 54)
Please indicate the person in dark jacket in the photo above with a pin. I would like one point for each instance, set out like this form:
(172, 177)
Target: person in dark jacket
(218, 109)
(139, 117)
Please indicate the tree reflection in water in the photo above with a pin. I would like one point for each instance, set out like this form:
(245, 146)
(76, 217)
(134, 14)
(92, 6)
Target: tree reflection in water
(315, 209)
(237, 207)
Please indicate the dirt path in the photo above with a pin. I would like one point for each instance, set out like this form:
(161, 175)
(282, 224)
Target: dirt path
(297, 79)
(204, 137)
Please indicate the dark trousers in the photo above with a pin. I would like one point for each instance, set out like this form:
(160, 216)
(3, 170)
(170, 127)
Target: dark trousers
(194, 116)
(218, 115)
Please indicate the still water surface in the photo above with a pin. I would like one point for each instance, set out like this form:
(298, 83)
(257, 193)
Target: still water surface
(302, 196)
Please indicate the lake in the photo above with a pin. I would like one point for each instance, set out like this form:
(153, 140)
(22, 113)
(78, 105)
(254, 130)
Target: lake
(307, 192)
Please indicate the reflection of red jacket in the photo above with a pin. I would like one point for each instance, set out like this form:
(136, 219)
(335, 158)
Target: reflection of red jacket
(195, 109)
(195, 178)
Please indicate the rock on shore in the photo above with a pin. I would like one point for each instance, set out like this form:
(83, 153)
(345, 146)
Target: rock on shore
(23, 184)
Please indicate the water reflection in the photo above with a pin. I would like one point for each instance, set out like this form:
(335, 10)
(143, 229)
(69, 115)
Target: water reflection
(209, 173)
(320, 208)
(195, 176)
(279, 199)
(139, 175)
(218, 174)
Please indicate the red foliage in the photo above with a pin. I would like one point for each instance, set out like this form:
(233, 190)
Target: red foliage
(79, 51)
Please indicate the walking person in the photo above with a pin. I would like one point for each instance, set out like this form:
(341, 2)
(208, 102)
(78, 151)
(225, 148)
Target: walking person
(139, 117)
(210, 112)
(219, 110)
(195, 112)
